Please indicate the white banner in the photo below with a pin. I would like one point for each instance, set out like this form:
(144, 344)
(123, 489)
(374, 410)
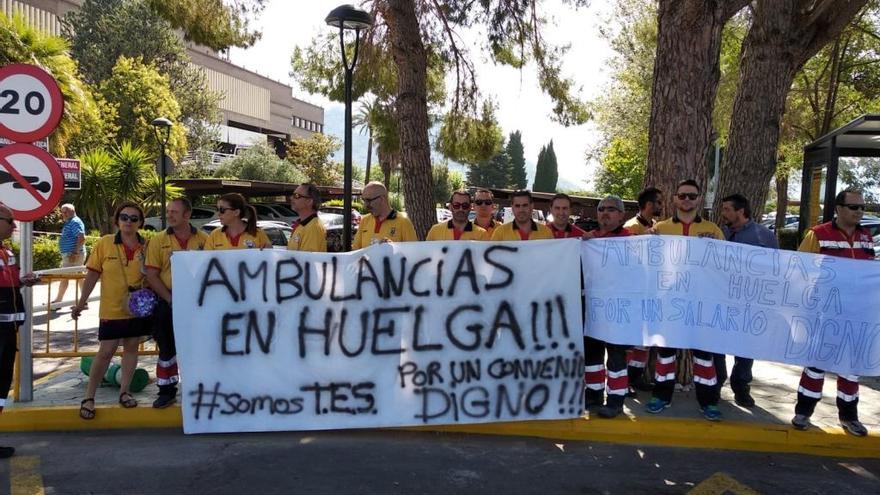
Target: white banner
(393, 335)
(684, 292)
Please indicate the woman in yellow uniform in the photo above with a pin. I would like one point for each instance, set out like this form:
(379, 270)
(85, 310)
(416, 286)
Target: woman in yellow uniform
(239, 220)
(117, 260)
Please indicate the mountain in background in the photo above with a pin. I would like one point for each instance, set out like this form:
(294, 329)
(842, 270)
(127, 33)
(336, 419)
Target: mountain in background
(334, 125)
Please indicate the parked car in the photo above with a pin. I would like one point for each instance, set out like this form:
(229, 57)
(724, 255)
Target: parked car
(791, 222)
(877, 247)
(443, 215)
(355, 215)
(275, 212)
(200, 216)
(278, 232)
(505, 215)
(333, 227)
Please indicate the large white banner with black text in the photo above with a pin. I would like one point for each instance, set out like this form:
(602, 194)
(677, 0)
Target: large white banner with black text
(797, 308)
(393, 335)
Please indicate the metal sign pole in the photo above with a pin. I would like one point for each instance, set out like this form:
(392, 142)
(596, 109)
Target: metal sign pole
(26, 367)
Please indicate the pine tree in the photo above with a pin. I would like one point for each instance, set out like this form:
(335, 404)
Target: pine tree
(547, 172)
(516, 152)
(493, 172)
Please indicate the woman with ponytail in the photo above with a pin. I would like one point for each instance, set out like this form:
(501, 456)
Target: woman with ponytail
(239, 220)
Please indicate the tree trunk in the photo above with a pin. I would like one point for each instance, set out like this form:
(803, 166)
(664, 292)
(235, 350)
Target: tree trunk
(781, 201)
(783, 36)
(369, 156)
(412, 111)
(683, 94)
(385, 163)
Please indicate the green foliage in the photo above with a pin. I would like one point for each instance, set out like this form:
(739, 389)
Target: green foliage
(493, 172)
(260, 163)
(140, 93)
(442, 188)
(469, 140)
(547, 171)
(212, 23)
(86, 122)
(46, 253)
(357, 205)
(101, 31)
(623, 170)
(311, 156)
(516, 152)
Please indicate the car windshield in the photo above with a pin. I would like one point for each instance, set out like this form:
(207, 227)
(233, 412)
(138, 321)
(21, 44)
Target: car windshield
(287, 212)
(330, 219)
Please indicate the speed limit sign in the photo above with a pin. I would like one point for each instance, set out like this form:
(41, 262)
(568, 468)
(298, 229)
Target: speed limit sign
(30, 103)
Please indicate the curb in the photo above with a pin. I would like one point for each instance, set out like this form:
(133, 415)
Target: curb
(669, 432)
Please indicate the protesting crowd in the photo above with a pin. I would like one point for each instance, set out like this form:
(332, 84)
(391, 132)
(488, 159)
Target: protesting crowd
(126, 265)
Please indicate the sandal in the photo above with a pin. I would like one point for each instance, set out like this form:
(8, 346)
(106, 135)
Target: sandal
(128, 402)
(85, 412)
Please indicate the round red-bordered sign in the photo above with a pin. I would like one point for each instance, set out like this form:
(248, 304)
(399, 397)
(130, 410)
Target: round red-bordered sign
(31, 104)
(31, 182)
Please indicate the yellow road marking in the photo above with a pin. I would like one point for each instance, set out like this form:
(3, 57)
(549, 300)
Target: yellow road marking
(721, 484)
(24, 476)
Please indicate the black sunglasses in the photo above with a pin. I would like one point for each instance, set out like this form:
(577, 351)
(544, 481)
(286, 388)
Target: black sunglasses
(484, 202)
(853, 207)
(223, 209)
(129, 218)
(690, 196)
(370, 200)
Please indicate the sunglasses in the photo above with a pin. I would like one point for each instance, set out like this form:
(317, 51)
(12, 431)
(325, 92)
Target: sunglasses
(129, 218)
(460, 206)
(370, 200)
(223, 209)
(853, 207)
(606, 208)
(484, 202)
(690, 196)
(299, 196)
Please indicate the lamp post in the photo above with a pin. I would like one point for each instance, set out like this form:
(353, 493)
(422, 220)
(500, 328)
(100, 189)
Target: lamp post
(162, 129)
(347, 17)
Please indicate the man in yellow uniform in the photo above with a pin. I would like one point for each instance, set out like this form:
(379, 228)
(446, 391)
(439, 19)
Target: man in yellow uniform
(484, 206)
(687, 221)
(383, 223)
(308, 232)
(523, 227)
(650, 208)
(459, 228)
(179, 236)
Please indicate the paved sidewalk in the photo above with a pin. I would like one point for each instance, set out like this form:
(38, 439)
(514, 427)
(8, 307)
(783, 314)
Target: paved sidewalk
(59, 383)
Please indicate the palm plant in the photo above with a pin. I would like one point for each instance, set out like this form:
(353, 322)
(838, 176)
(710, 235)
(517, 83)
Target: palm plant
(97, 188)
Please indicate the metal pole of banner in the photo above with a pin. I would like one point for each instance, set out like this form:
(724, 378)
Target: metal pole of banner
(26, 360)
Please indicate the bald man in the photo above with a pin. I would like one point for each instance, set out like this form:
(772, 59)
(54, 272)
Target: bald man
(383, 223)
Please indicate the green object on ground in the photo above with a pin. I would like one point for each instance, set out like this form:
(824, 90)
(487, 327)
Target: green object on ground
(139, 380)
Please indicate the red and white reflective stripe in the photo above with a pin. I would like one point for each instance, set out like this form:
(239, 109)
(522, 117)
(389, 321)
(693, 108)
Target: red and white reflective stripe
(166, 372)
(637, 357)
(7, 317)
(847, 387)
(664, 369)
(166, 364)
(811, 383)
(815, 375)
(704, 372)
(810, 393)
(617, 382)
(168, 381)
(594, 376)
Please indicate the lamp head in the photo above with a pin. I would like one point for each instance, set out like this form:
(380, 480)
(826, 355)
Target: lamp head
(162, 127)
(349, 17)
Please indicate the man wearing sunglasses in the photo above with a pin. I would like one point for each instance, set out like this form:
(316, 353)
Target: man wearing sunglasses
(686, 221)
(12, 311)
(383, 223)
(845, 238)
(560, 207)
(612, 376)
(459, 228)
(484, 206)
(523, 227)
(308, 231)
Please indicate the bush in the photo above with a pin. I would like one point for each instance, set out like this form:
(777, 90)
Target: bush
(357, 205)
(46, 254)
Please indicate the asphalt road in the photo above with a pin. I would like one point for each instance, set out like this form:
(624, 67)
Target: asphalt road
(167, 462)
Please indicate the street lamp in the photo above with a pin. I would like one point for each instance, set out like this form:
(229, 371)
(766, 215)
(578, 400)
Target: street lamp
(347, 17)
(162, 129)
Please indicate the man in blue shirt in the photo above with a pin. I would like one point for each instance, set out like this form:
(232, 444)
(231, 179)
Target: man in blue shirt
(71, 244)
(737, 225)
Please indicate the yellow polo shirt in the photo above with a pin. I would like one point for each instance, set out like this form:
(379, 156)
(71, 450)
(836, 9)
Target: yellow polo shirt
(445, 231)
(164, 244)
(698, 228)
(219, 240)
(490, 229)
(109, 258)
(636, 227)
(509, 232)
(308, 235)
(395, 228)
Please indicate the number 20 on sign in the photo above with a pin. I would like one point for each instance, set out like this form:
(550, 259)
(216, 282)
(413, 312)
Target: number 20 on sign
(31, 103)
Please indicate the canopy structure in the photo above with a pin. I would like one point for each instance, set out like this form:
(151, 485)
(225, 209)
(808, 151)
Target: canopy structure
(248, 188)
(856, 139)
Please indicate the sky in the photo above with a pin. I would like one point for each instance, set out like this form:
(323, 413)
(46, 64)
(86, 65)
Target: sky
(521, 105)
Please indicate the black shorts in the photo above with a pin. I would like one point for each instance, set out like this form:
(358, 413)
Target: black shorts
(123, 329)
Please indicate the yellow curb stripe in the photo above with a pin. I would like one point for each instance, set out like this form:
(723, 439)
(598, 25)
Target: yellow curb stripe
(671, 432)
(721, 484)
(24, 476)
